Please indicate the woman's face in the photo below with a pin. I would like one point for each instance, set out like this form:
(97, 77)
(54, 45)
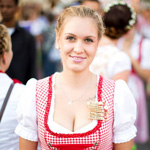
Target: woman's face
(78, 41)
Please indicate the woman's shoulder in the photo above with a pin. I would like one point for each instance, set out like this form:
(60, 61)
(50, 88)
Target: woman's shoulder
(121, 54)
(121, 58)
(121, 83)
(108, 49)
(19, 86)
(113, 52)
(47, 79)
(34, 81)
(105, 81)
(122, 88)
(17, 90)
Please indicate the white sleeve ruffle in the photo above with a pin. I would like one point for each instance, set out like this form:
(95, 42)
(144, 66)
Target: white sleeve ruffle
(124, 113)
(26, 113)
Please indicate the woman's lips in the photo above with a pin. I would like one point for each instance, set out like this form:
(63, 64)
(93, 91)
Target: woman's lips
(77, 59)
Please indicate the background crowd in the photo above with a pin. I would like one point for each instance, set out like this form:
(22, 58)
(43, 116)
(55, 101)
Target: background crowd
(31, 25)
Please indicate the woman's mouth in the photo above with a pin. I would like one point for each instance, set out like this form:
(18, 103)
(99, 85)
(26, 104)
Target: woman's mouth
(77, 59)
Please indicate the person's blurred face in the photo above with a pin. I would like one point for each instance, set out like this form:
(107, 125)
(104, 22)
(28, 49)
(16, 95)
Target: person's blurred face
(78, 41)
(93, 5)
(8, 9)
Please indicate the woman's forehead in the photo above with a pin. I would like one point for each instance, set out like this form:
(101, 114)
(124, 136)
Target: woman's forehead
(78, 24)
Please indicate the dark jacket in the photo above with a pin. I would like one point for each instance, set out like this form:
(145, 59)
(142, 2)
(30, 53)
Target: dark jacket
(23, 65)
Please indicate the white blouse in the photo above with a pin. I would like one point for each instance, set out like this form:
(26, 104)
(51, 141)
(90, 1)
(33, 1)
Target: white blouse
(8, 139)
(124, 114)
(109, 60)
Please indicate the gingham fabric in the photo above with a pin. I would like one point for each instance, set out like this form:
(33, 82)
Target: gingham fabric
(99, 138)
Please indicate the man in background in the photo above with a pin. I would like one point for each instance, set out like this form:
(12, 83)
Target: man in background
(23, 65)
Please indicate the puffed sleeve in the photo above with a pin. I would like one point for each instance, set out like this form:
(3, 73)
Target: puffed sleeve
(124, 113)
(26, 113)
(118, 63)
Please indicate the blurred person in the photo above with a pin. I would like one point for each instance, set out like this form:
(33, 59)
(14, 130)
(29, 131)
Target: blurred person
(27, 15)
(34, 20)
(93, 4)
(119, 17)
(8, 121)
(138, 49)
(23, 65)
(76, 109)
(50, 55)
(109, 60)
(143, 22)
(75, 3)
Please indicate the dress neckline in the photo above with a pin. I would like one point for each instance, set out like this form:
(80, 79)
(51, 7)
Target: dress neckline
(49, 102)
(62, 129)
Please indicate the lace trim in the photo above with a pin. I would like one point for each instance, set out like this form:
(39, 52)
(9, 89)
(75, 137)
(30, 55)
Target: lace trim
(76, 134)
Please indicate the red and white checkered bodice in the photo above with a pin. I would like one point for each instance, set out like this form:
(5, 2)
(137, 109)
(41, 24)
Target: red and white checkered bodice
(99, 138)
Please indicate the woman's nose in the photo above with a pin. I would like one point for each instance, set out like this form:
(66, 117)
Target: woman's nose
(78, 48)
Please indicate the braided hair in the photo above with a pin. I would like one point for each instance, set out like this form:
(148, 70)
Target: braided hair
(3, 39)
(119, 18)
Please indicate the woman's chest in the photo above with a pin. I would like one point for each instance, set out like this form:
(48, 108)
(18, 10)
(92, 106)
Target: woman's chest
(72, 116)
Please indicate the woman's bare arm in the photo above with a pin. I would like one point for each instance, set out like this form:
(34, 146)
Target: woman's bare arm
(143, 73)
(27, 145)
(122, 75)
(124, 146)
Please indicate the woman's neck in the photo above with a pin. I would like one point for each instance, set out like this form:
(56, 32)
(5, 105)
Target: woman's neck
(73, 79)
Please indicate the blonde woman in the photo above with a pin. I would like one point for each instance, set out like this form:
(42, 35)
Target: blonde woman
(75, 109)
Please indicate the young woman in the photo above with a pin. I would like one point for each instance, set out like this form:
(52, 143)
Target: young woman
(8, 121)
(119, 17)
(75, 109)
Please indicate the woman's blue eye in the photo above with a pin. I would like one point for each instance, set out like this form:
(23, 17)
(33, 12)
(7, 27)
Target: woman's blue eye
(88, 40)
